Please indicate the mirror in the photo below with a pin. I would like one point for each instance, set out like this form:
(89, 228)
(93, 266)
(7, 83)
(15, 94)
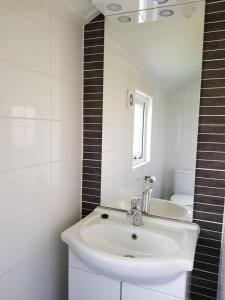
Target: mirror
(152, 78)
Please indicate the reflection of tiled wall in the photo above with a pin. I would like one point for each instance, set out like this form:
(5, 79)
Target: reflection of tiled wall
(210, 176)
(92, 120)
(210, 179)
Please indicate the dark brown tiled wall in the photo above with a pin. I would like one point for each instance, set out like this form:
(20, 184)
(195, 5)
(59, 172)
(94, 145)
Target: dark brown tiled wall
(92, 113)
(210, 172)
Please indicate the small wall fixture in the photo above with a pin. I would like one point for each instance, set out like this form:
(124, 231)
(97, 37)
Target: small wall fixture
(130, 99)
(114, 7)
(166, 12)
(124, 19)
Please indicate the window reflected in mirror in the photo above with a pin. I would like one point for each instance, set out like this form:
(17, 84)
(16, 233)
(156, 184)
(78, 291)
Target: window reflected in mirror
(142, 120)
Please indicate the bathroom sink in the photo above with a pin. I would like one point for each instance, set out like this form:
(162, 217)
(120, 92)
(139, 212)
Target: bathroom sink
(158, 207)
(153, 253)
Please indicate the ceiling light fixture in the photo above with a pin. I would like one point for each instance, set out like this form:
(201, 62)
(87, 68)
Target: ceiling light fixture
(166, 12)
(114, 7)
(161, 1)
(124, 19)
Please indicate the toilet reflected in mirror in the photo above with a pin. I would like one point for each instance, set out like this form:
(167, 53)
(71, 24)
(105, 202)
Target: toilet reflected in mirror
(183, 188)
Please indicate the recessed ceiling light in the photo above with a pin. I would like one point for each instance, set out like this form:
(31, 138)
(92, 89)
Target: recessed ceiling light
(124, 19)
(114, 7)
(166, 12)
(161, 1)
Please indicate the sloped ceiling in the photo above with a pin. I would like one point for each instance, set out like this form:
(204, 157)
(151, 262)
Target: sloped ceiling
(84, 8)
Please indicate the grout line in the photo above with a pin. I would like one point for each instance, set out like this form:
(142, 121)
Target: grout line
(210, 160)
(217, 69)
(88, 202)
(94, 46)
(94, 30)
(214, 59)
(204, 270)
(95, 38)
(90, 195)
(210, 196)
(215, 12)
(207, 255)
(203, 262)
(213, 31)
(95, 22)
(210, 213)
(209, 204)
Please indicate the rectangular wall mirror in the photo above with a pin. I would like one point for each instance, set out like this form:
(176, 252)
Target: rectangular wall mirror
(152, 78)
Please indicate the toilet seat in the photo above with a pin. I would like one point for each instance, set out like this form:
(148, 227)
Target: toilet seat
(186, 200)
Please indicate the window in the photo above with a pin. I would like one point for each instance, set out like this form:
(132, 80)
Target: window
(141, 128)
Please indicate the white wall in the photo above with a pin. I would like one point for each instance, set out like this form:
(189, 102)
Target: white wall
(182, 128)
(40, 152)
(121, 73)
(174, 128)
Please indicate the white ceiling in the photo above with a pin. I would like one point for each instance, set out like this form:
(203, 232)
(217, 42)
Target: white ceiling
(134, 5)
(84, 8)
(169, 49)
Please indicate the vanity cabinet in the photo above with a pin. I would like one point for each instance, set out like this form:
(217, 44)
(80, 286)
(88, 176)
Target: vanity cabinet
(133, 292)
(84, 284)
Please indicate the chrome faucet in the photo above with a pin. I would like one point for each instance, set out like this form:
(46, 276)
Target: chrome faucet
(147, 195)
(136, 211)
(141, 205)
(146, 200)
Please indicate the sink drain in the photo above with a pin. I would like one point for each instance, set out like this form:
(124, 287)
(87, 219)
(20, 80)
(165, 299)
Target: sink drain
(130, 256)
(134, 236)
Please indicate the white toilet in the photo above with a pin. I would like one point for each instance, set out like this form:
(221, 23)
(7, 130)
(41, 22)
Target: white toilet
(183, 187)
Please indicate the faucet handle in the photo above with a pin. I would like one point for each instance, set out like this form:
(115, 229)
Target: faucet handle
(150, 179)
(136, 203)
(136, 211)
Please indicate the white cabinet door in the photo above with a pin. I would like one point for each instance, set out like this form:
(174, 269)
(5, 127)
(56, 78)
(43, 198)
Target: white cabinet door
(132, 292)
(89, 286)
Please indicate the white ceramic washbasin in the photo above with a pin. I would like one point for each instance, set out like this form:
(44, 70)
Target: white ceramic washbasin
(158, 207)
(153, 253)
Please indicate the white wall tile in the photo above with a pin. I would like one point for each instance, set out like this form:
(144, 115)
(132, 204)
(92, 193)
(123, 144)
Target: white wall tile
(22, 237)
(40, 122)
(24, 142)
(23, 191)
(24, 42)
(65, 182)
(65, 55)
(40, 277)
(56, 140)
(57, 98)
(39, 11)
(66, 199)
(24, 93)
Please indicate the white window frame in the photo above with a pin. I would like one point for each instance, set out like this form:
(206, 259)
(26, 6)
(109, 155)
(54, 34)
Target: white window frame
(148, 102)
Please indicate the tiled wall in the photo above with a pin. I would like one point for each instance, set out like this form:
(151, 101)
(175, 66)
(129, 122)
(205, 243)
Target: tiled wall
(92, 113)
(222, 268)
(210, 176)
(40, 150)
